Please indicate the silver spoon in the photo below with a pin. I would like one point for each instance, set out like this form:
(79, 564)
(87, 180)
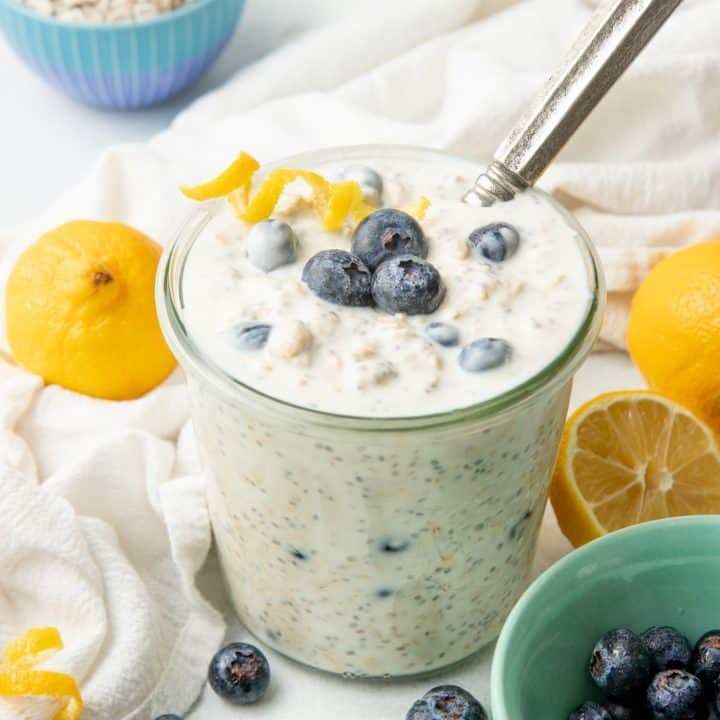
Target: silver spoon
(613, 38)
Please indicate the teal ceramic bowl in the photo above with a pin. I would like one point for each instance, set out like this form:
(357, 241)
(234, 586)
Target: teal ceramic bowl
(125, 65)
(659, 573)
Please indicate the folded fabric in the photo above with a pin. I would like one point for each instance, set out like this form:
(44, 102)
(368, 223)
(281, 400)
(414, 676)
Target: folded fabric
(106, 548)
(102, 503)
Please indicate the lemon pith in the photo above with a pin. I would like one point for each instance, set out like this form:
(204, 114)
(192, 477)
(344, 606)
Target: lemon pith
(629, 457)
(80, 310)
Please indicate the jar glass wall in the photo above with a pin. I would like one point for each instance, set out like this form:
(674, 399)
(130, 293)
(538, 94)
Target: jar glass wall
(374, 546)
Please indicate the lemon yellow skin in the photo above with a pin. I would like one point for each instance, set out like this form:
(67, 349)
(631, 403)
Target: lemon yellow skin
(19, 679)
(674, 329)
(80, 310)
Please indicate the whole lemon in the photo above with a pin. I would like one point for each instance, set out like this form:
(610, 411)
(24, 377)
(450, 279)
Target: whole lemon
(674, 329)
(80, 310)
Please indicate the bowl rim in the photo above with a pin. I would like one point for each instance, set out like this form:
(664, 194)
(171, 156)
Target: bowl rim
(576, 556)
(166, 18)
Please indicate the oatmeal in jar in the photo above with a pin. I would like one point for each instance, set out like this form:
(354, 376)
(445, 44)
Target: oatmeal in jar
(512, 291)
(378, 404)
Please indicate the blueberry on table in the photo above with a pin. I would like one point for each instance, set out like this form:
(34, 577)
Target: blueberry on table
(621, 664)
(385, 233)
(370, 181)
(239, 673)
(669, 648)
(496, 242)
(271, 244)
(485, 354)
(246, 336)
(705, 660)
(590, 711)
(447, 702)
(168, 716)
(443, 334)
(338, 277)
(407, 284)
(676, 695)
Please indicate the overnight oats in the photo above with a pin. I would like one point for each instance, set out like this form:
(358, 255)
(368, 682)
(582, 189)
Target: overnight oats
(378, 396)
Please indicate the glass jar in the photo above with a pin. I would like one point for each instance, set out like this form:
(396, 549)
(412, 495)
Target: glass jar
(374, 546)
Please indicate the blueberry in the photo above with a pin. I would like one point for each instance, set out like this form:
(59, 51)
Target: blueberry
(676, 695)
(496, 242)
(338, 277)
(247, 336)
(385, 233)
(590, 711)
(271, 244)
(384, 593)
(626, 712)
(407, 284)
(419, 711)
(705, 660)
(239, 673)
(621, 665)
(370, 181)
(168, 716)
(485, 354)
(443, 334)
(669, 648)
(447, 702)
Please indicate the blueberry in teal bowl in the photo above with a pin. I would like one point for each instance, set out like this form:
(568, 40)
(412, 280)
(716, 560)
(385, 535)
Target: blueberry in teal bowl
(646, 580)
(123, 65)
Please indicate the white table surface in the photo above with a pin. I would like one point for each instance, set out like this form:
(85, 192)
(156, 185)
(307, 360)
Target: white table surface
(47, 143)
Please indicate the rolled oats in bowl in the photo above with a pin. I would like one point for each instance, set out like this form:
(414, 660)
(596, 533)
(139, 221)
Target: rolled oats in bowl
(119, 54)
(104, 11)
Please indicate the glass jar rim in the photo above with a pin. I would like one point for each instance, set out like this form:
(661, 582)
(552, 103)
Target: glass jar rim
(168, 297)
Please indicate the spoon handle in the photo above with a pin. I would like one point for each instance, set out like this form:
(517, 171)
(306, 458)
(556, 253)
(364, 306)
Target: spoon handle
(613, 38)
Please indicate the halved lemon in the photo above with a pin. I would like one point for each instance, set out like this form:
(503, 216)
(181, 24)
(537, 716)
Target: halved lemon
(630, 457)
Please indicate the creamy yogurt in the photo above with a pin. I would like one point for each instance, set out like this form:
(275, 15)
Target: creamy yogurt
(364, 361)
(396, 541)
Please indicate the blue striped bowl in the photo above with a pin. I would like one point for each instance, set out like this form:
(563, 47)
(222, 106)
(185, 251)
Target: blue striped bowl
(128, 65)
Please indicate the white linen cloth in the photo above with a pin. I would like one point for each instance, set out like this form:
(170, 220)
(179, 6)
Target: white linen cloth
(101, 503)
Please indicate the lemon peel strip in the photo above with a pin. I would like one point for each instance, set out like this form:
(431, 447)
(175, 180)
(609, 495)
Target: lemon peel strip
(18, 680)
(333, 202)
(32, 648)
(237, 177)
(345, 198)
(418, 208)
(266, 197)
